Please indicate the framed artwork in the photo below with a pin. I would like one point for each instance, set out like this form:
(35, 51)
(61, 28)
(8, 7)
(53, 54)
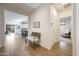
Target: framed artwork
(36, 24)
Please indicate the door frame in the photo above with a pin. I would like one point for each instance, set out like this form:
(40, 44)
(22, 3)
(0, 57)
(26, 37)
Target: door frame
(73, 29)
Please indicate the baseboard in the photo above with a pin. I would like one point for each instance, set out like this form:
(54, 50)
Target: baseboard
(45, 47)
(49, 48)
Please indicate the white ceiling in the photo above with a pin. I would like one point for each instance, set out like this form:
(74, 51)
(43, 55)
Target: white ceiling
(27, 8)
(61, 6)
(34, 5)
(14, 18)
(23, 8)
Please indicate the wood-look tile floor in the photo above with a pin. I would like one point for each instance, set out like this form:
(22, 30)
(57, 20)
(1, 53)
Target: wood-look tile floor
(59, 49)
(16, 46)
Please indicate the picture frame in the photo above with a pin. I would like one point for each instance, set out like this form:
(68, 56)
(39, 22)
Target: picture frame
(36, 24)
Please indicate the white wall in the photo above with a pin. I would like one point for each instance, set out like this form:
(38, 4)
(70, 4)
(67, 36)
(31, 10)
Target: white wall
(42, 15)
(49, 33)
(1, 27)
(67, 12)
(54, 25)
(77, 29)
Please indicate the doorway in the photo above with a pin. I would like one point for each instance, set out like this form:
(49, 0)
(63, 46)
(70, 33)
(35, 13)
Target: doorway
(65, 29)
(65, 33)
(62, 28)
(15, 25)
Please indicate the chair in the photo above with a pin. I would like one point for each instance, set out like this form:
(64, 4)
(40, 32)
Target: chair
(34, 41)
